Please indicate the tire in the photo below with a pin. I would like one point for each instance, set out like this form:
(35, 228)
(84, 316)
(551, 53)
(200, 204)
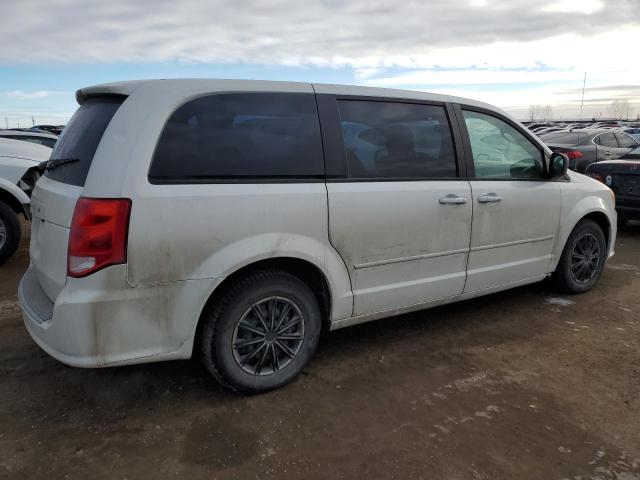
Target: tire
(9, 232)
(586, 241)
(259, 294)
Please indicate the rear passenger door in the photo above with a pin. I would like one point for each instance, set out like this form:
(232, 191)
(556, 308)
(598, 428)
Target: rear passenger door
(399, 206)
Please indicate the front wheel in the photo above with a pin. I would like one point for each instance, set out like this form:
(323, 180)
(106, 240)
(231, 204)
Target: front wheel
(583, 258)
(9, 232)
(262, 332)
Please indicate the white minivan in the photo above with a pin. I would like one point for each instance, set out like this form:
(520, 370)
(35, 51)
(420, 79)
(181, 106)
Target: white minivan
(235, 220)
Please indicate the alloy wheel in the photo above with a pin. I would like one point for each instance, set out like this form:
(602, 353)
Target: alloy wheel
(268, 336)
(585, 258)
(3, 234)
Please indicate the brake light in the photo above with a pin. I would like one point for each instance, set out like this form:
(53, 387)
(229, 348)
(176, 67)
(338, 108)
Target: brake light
(573, 154)
(98, 236)
(597, 176)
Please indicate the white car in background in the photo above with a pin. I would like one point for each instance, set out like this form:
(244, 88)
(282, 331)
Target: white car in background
(39, 138)
(19, 170)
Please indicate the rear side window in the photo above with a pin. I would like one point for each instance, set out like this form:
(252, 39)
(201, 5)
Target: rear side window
(240, 136)
(607, 140)
(81, 136)
(396, 140)
(626, 141)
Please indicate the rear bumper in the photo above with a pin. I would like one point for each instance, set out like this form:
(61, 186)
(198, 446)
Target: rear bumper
(91, 325)
(628, 206)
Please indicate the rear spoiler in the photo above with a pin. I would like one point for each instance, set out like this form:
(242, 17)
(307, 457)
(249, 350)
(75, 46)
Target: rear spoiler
(119, 88)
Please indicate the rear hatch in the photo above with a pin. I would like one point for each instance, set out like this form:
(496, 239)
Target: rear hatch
(55, 195)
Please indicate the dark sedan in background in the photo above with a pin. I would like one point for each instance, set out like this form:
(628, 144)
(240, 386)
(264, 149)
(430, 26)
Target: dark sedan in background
(623, 177)
(584, 147)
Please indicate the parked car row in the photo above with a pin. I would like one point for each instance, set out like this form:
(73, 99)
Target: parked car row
(607, 151)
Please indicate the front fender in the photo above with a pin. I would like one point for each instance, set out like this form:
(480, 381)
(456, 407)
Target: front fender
(16, 193)
(595, 203)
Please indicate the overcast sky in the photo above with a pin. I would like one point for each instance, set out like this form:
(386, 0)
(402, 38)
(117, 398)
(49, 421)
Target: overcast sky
(511, 53)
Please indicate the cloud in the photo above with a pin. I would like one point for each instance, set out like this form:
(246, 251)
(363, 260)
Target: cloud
(289, 32)
(492, 50)
(20, 95)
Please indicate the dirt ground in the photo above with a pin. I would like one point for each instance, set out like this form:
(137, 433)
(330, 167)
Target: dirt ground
(525, 384)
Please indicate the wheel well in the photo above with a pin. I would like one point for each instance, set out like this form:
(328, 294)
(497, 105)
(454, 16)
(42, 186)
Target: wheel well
(603, 221)
(304, 270)
(11, 201)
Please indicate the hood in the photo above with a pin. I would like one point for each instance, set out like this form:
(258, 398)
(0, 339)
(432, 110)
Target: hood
(20, 149)
(17, 156)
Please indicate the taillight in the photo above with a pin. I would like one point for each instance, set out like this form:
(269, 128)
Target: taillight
(573, 154)
(98, 236)
(597, 176)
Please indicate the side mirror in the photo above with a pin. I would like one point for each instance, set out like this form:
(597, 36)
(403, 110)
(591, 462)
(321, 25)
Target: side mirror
(558, 164)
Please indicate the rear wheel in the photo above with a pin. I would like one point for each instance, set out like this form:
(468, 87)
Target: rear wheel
(9, 232)
(583, 258)
(262, 332)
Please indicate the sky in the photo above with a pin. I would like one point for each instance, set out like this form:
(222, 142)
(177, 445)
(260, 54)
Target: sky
(510, 53)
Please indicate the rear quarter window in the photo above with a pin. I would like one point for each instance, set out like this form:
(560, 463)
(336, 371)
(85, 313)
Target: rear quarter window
(240, 136)
(81, 137)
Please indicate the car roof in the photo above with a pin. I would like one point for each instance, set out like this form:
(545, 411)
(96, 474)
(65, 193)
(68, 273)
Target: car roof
(20, 149)
(185, 85)
(27, 133)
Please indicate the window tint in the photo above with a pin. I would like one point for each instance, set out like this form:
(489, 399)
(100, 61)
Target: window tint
(626, 141)
(80, 138)
(47, 142)
(499, 150)
(565, 138)
(607, 140)
(250, 135)
(396, 140)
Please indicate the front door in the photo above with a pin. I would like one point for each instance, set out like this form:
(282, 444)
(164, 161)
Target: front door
(516, 211)
(401, 216)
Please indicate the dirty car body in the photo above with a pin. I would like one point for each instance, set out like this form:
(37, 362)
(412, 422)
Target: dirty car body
(237, 218)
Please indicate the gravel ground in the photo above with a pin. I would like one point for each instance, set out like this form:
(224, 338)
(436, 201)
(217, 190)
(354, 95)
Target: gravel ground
(521, 384)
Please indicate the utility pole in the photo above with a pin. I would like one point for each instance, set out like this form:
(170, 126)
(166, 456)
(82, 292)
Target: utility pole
(33, 122)
(584, 83)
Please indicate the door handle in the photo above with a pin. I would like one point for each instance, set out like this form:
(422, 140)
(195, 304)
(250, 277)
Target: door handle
(489, 198)
(452, 199)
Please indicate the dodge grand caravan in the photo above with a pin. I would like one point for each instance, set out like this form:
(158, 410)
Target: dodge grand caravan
(235, 220)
